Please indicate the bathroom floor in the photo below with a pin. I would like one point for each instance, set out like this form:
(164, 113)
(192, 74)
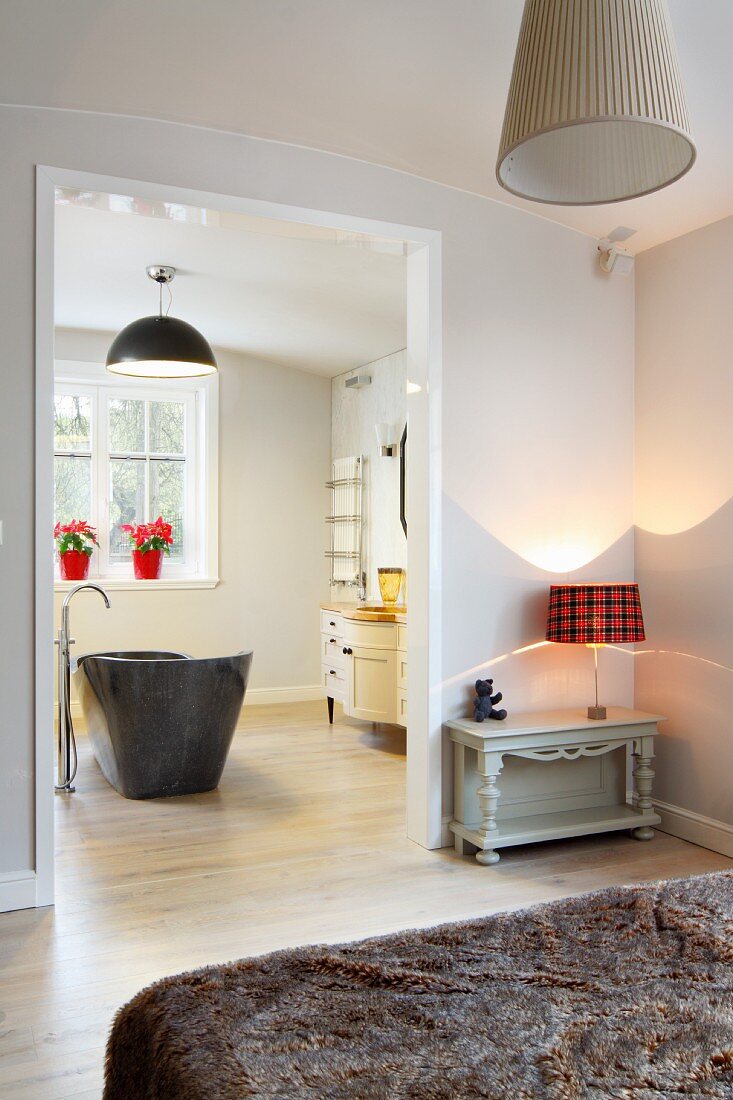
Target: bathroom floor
(304, 841)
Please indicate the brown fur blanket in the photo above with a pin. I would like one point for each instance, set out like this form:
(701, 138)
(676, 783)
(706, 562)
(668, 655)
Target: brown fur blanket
(626, 993)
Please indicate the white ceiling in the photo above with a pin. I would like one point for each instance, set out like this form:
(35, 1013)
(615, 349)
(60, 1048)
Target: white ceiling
(315, 299)
(419, 85)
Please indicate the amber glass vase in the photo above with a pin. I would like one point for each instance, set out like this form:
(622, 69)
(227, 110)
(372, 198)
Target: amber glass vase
(390, 583)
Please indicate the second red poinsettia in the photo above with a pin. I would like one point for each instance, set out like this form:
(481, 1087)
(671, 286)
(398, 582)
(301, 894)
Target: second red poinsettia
(149, 542)
(157, 535)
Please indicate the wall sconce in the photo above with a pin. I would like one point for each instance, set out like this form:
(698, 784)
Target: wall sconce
(615, 259)
(385, 433)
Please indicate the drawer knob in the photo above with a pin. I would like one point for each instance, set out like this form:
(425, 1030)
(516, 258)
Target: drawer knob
(347, 650)
(332, 623)
(332, 673)
(332, 639)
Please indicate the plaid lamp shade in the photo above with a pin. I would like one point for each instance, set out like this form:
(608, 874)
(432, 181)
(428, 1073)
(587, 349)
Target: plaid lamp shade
(599, 613)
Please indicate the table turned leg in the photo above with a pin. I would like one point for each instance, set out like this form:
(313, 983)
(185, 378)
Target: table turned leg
(643, 778)
(490, 765)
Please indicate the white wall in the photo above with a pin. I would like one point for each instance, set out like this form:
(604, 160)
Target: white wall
(274, 455)
(684, 513)
(537, 403)
(355, 413)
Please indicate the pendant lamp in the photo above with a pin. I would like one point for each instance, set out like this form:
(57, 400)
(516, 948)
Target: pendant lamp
(596, 110)
(161, 346)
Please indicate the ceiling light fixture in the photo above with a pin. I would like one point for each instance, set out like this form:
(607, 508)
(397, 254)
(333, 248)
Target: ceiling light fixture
(596, 110)
(161, 346)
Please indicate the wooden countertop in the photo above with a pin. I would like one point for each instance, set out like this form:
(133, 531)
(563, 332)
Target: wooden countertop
(370, 613)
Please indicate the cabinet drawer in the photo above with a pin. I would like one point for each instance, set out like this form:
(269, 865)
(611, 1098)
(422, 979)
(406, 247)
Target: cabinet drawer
(332, 623)
(402, 636)
(402, 670)
(332, 682)
(401, 707)
(373, 635)
(332, 651)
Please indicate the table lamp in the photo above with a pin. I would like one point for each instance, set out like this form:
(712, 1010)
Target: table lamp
(592, 615)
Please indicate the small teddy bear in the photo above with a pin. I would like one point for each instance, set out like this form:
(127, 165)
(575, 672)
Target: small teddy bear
(483, 704)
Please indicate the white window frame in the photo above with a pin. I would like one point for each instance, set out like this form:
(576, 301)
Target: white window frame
(201, 397)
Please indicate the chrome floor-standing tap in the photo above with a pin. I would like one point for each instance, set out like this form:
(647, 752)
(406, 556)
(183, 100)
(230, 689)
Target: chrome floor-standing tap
(66, 745)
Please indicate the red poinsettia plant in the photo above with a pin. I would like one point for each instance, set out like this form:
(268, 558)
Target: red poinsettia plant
(77, 535)
(144, 537)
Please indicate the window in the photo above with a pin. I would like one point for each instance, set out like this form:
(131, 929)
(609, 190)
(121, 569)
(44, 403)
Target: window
(126, 454)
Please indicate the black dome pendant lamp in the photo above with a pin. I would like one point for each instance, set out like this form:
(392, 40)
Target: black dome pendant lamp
(162, 346)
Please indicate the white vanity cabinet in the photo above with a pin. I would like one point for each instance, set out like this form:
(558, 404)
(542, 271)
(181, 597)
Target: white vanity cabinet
(364, 668)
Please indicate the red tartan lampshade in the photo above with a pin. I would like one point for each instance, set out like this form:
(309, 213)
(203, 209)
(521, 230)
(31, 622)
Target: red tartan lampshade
(594, 614)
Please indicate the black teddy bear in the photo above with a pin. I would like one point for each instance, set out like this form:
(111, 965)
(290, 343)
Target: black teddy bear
(483, 704)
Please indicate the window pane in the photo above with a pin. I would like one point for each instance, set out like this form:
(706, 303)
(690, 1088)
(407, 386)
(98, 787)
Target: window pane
(72, 488)
(167, 419)
(126, 426)
(127, 502)
(72, 414)
(166, 500)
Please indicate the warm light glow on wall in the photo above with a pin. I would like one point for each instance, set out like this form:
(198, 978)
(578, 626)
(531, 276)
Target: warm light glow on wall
(556, 516)
(563, 556)
(671, 510)
(475, 671)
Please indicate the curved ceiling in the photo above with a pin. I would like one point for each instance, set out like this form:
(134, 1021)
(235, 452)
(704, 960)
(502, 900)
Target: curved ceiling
(418, 85)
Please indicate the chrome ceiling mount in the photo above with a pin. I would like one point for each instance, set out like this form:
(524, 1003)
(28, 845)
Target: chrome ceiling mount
(160, 273)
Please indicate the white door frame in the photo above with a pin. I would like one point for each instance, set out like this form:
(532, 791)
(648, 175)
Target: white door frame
(424, 354)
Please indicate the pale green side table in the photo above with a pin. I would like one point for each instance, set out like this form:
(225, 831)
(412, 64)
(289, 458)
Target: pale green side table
(480, 750)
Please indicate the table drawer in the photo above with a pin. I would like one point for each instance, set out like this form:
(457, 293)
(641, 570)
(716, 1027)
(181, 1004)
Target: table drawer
(401, 707)
(402, 636)
(332, 651)
(332, 623)
(402, 670)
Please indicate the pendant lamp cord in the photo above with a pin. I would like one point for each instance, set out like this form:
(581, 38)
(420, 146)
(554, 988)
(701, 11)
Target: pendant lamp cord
(160, 298)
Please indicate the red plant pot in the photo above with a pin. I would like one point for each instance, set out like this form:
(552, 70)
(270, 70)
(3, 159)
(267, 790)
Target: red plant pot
(74, 565)
(147, 565)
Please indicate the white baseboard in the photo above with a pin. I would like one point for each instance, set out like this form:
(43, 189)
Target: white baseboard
(687, 825)
(17, 890)
(264, 696)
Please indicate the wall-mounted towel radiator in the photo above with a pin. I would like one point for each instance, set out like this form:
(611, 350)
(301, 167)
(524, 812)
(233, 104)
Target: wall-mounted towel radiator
(345, 524)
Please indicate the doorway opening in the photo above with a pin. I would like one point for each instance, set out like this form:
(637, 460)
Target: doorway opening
(92, 458)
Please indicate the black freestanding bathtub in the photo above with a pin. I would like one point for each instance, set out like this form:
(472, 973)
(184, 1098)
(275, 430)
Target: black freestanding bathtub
(161, 723)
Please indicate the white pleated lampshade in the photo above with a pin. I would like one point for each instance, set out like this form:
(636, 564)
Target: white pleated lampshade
(596, 109)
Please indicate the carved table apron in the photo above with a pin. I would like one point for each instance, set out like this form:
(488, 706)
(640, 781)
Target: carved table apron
(545, 737)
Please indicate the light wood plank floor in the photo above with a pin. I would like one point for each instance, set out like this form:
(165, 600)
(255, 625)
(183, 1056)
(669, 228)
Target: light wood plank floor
(304, 841)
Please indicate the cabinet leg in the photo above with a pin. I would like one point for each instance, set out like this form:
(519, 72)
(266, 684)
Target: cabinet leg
(643, 778)
(488, 857)
(490, 765)
(329, 700)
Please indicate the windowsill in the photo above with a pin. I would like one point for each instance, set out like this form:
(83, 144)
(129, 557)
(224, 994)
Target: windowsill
(129, 584)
